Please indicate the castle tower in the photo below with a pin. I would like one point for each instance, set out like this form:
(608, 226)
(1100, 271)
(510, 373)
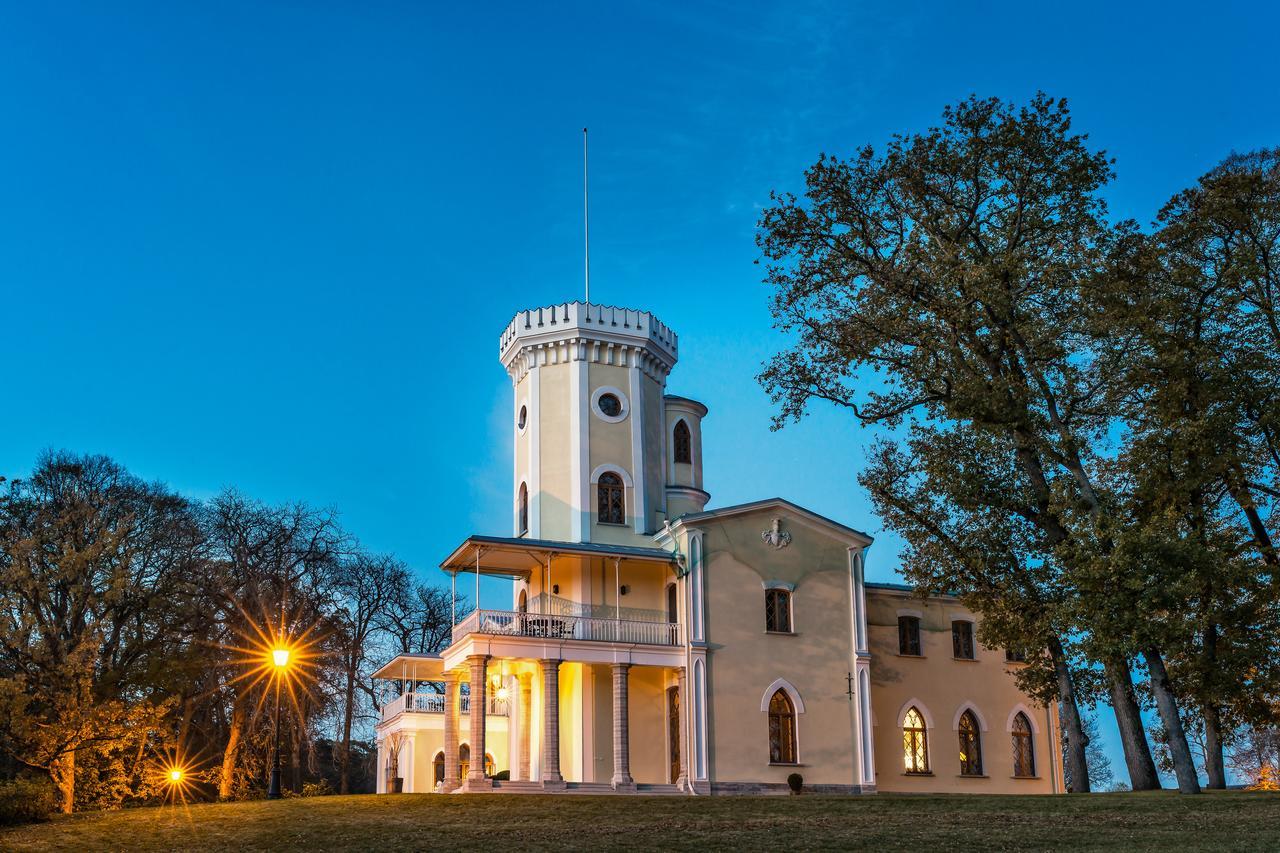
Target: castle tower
(594, 434)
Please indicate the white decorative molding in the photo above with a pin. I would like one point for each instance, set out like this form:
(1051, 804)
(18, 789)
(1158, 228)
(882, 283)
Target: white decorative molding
(1031, 718)
(775, 584)
(609, 467)
(907, 612)
(919, 706)
(786, 687)
(968, 706)
(623, 399)
(776, 536)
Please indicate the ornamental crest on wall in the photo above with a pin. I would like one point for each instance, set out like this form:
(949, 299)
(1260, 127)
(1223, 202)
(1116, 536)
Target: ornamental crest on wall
(776, 536)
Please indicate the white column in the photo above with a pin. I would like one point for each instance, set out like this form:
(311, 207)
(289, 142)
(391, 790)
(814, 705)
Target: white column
(682, 699)
(636, 416)
(551, 777)
(579, 444)
(476, 779)
(407, 761)
(621, 730)
(451, 766)
(381, 772)
(526, 721)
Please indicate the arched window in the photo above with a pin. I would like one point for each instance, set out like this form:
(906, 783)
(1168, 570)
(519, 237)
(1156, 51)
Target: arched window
(438, 765)
(524, 509)
(464, 760)
(488, 764)
(1024, 757)
(970, 746)
(915, 743)
(682, 443)
(782, 729)
(777, 611)
(612, 501)
(523, 606)
(673, 611)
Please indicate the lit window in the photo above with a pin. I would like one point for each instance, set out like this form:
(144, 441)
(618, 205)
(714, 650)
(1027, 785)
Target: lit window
(970, 746)
(962, 639)
(611, 499)
(1024, 758)
(777, 611)
(682, 443)
(909, 636)
(782, 729)
(915, 743)
(609, 405)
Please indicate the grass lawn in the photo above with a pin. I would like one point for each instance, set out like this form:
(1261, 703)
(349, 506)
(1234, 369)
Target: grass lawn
(1217, 821)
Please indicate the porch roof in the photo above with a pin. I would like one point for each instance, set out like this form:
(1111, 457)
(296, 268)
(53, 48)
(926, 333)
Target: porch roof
(424, 667)
(520, 557)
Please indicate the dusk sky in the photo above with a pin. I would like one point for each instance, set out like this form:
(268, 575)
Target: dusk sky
(272, 245)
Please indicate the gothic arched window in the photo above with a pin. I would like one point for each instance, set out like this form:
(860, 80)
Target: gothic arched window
(682, 443)
(612, 500)
(782, 729)
(438, 768)
(464, 760)
(915, 743)
(1024, 757)
(970, 745)
(524, 509)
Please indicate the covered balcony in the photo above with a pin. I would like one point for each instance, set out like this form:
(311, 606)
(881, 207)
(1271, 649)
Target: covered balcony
(433, 703)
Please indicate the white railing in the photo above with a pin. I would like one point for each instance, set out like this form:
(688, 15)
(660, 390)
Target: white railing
(558, 606)
(555, 627)
(433, 703)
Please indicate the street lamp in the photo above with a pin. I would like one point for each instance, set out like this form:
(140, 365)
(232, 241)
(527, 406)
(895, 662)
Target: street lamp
(280, 658)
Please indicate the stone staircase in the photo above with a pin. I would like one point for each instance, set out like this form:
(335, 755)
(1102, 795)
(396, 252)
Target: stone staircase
(595, 788)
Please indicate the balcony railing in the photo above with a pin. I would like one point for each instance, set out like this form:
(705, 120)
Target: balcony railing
(433, 703)
(510, 623)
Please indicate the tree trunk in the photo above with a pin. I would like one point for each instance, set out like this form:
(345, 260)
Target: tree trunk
(1077, 766)
(344, 758)
(1133, 735)
(62, 771)
(295, 758)
(231, 753)
(1213, 763)
(1184, 768)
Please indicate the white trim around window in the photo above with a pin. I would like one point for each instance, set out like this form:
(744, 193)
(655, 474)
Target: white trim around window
(622, 398)
(969, 706)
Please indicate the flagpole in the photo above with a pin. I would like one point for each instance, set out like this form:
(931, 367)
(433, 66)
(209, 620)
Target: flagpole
(586, 229)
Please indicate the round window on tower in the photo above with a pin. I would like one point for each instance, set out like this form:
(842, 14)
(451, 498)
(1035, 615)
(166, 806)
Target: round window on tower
(523, 419)
(609, 404)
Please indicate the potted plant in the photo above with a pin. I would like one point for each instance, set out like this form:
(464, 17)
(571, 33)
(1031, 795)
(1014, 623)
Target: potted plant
(395, 780)
(795, 782)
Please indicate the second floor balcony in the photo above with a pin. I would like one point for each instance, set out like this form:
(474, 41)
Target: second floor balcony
(433, 703)
(568, 626)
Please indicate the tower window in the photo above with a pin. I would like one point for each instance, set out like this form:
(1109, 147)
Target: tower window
(609, 405)
(523, 419)
(962, 639)
(682, 443)
(524, 509)
(612, 497)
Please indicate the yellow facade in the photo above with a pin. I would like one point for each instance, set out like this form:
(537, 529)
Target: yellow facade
(651, 644)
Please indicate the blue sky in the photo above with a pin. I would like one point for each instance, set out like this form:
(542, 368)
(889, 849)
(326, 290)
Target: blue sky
(272, 245)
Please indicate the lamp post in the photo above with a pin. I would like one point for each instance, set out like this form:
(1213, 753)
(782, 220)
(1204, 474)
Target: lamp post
(280, 659)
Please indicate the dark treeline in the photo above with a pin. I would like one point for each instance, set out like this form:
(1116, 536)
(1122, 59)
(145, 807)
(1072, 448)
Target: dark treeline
(136, 625)
(1080, 418)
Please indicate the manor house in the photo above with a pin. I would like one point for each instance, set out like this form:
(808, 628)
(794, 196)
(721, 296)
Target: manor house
(654, 644)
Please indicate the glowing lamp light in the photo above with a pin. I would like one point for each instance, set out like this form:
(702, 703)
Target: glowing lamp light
(175, 776)
(280, 657)
(502, 694)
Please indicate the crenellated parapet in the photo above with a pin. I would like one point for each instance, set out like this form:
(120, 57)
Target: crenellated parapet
(598, 334)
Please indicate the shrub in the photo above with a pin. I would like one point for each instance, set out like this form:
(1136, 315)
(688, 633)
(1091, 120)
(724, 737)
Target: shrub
(316, 789)
(502, 776)
(27, 801)
(795, 782)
